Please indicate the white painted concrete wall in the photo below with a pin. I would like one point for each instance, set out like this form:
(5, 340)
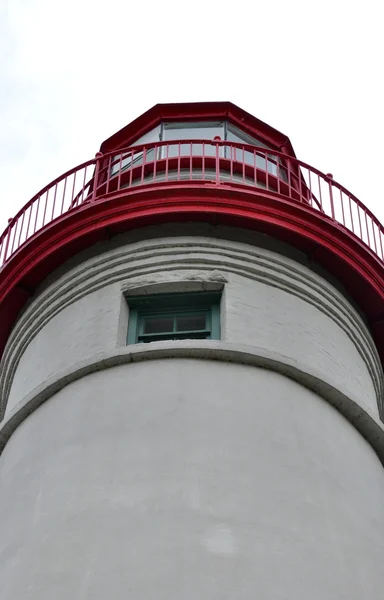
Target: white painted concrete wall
(189, 479)
(270, 302)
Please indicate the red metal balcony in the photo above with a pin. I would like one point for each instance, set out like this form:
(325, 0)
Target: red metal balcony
(217, 181)
(215, 163)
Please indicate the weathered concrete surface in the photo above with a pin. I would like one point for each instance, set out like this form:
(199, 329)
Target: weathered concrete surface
(270, 301)
(193, 479)
(365, 421)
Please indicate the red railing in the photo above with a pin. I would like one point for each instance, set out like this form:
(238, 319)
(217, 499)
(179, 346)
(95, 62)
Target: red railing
(212, 162)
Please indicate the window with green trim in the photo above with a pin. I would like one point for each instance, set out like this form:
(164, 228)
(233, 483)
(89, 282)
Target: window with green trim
(159, 317)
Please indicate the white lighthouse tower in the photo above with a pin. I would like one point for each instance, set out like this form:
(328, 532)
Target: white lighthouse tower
(191, 329)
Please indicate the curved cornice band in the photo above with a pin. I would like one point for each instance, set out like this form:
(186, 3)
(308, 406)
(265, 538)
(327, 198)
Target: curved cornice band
(338, 250)
(131, 263)
(369, 427)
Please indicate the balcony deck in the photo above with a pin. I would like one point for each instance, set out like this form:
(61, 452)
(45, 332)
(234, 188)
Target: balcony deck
(214, 163)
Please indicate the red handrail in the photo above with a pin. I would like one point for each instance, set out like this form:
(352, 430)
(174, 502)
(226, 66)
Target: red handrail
(217, 162)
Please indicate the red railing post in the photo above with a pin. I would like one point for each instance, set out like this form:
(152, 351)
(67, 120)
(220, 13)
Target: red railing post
(10, 223)
(330, 180)
(98, 157)
(217, 164)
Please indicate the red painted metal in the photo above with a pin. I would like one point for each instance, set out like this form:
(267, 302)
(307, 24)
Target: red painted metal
(194, 160)
(218, 182)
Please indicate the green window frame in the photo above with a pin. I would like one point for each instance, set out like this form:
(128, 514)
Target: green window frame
(162, 317)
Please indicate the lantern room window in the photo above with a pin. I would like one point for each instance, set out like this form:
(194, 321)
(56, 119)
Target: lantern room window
(205, 130)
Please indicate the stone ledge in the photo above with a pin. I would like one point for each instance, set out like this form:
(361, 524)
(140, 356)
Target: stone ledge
(365, 422)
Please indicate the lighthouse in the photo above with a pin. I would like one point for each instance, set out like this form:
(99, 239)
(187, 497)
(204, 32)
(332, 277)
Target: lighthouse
(192, 341)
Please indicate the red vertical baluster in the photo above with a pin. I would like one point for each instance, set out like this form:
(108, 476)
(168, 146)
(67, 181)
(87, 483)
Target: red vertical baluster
(55, 195)
(310, 188)
(21, 228)
(320, 193)
(342, 207)
(37, 213)
(217, 164)
(381, 236)
(53, 208)
(14, 235)
(73, 188)
(120, 168)
(217, 170)
(374, 236)
(63, 198)
(29, 221)
(367, 227)
(330, 183)
(45, 208)
(351, 214)
(300, 183)
(109, 171)
(131, 168)
(289, 177)
(278, 178)
(190, 160)
(98, 157)
(178, 161)
(7, 240)
(232, 159)
(83, 188)
(154, 163)
(358, 214)
(166, 161)
(144, 164)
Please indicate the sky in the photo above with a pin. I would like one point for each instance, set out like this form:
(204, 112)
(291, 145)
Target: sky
(73, 73)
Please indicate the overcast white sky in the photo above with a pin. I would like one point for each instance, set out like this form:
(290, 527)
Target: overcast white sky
(74, 72)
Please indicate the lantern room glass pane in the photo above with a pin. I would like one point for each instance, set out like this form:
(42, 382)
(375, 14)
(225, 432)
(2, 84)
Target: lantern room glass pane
(192, 131)
(234, 134)
(151, 136)
(260, 159)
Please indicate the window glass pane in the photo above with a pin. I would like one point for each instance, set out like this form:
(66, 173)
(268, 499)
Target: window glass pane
(158, 324)
(150, 136)
(192, 131)
(125, 161)
(236, 135)
(174, 317)
(131, 159)
(190, 323)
